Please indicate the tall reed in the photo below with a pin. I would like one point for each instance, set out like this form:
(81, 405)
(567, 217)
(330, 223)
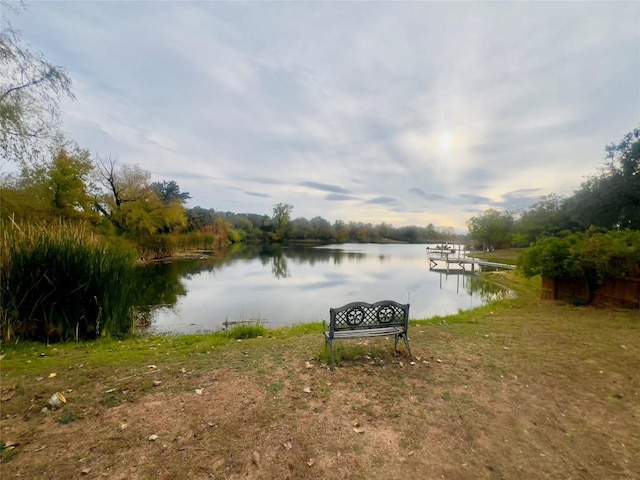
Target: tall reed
(165, 245)
(62, 281)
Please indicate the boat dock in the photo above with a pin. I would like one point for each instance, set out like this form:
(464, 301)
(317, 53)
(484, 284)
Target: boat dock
(452, 257)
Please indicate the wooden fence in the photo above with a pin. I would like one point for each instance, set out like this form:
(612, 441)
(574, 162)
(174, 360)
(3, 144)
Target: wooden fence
(617, 292)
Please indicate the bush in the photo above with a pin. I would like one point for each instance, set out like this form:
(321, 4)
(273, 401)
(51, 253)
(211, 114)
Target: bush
(592, 253)
(62, 281)
(591, 256)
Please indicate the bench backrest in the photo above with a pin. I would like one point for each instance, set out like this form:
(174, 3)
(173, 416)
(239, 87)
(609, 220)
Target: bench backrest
(360, 315)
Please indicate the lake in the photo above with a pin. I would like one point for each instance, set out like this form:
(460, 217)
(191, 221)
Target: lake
(294, 285)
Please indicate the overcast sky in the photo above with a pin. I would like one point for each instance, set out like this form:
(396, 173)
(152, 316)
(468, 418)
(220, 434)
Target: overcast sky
(407, 113)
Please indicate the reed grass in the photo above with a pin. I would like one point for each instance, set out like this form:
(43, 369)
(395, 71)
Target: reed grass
(166, 245)
(62, 281)
(245, 331)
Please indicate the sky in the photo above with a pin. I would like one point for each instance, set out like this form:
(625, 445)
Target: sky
(408, 113)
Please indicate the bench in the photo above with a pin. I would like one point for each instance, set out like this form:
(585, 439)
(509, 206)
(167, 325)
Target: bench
(359, 319)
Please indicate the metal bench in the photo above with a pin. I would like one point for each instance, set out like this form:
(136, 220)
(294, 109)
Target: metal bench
(359, 319)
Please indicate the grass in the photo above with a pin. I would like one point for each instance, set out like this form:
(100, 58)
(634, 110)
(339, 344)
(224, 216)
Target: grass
(61, 281)
(507, 255)
(516, 389)
(245, 331)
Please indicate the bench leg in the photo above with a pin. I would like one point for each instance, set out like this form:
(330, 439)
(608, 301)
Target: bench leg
(406, 342)
(333, 358)
(328, 342)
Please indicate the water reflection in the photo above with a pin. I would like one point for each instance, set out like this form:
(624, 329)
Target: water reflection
(473, 284)
(300, 284)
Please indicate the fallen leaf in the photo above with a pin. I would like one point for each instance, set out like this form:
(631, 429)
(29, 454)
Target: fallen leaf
(306, 389)
(199, 391)
(311, 462)
(7, 396)
(123, 426)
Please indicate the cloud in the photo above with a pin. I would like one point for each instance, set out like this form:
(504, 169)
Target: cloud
(383, 200)
(427, 196)
(257, 194)
(339, 197)
(400, 106)
(474, 199)
(324, 187)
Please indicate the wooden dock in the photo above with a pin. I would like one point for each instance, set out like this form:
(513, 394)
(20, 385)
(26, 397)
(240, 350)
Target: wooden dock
(449, 258)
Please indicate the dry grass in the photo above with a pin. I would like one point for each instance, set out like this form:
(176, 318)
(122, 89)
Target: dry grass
(523, 389)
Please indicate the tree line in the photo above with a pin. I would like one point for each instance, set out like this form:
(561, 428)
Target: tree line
(281, 227)
(609, 199)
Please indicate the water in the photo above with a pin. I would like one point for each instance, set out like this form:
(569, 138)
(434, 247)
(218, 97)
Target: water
(299, 285)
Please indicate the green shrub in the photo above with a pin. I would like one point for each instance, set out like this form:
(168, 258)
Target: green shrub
(244, 331)
(62, 281)
(591, 256)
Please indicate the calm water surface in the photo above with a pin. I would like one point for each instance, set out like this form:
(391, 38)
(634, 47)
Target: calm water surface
(299, 285)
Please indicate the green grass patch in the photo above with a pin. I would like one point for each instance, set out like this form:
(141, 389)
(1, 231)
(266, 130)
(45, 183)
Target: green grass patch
(245, 331)
(68, 416)
(7, 452)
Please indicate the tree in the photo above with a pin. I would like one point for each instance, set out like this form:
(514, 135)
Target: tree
(60, 188)
(281, 218)
(169, 192)
(132, 203)
(30, 91)
(545, 218)
(321, 229)
(68, 184)
(492, 228)
(300, 229)
(611, 197)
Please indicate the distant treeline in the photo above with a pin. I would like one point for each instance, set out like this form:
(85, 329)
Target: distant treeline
(254, 228)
